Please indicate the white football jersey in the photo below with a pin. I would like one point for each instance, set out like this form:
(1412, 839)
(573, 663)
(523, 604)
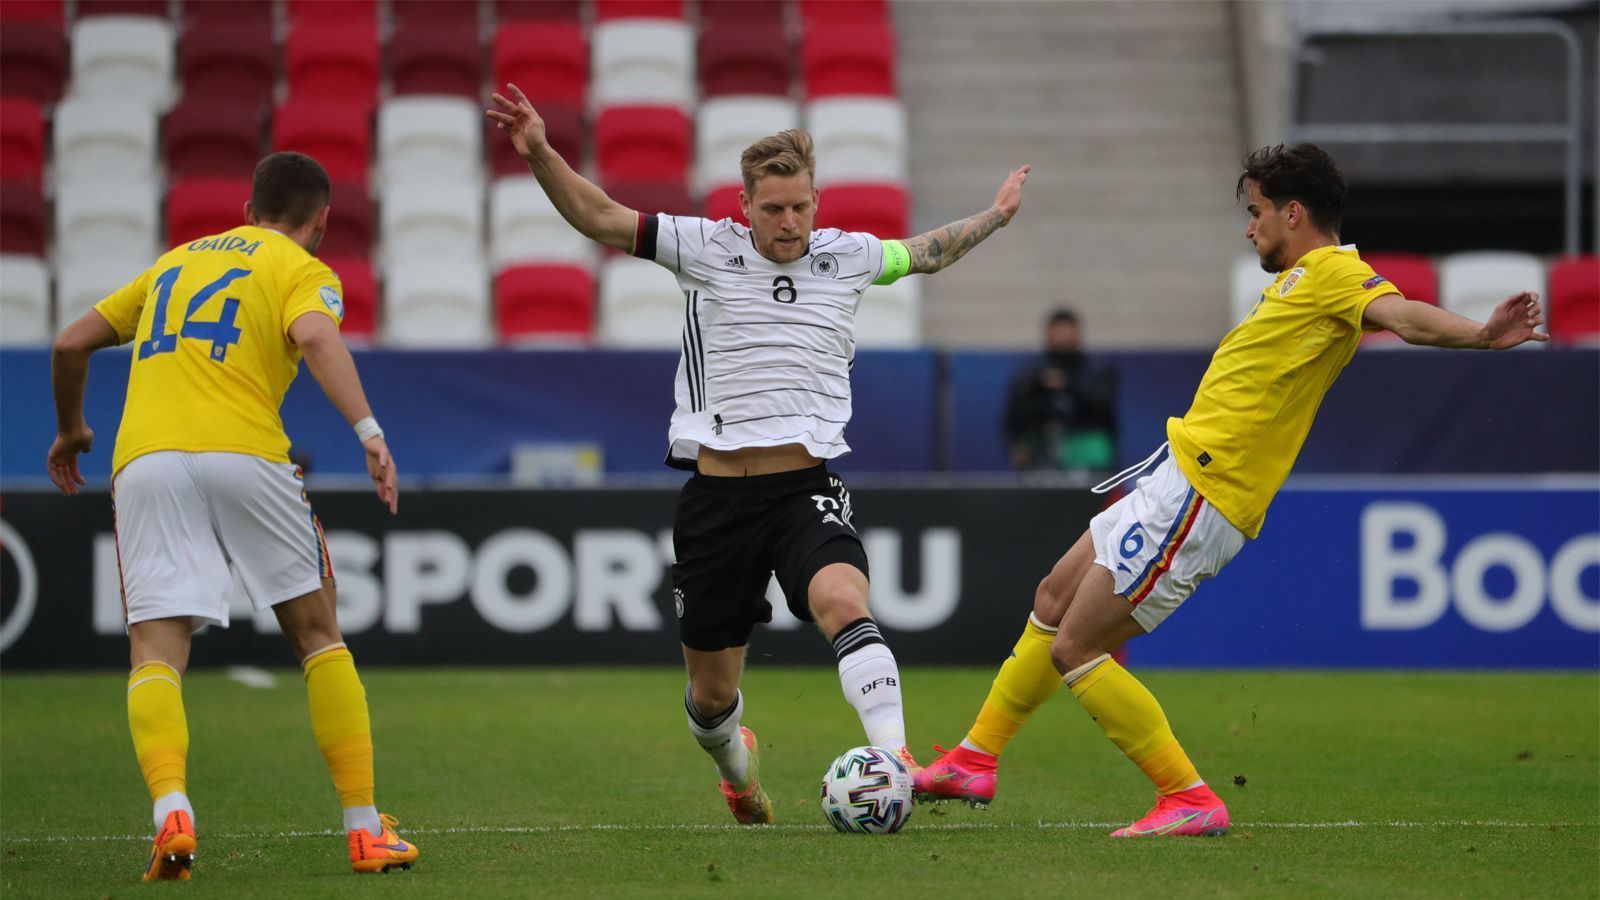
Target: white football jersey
(767, 347)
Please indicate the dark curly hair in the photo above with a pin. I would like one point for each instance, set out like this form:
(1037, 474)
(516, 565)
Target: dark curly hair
(1304, 172)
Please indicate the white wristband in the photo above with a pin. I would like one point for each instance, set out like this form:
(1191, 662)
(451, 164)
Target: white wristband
(367, 428)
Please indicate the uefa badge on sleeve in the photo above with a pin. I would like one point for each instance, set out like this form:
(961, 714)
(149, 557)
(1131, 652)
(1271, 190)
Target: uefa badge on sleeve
(332, 300)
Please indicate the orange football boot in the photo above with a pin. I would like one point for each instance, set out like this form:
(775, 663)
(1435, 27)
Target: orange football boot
(380, 854)
(172, 854)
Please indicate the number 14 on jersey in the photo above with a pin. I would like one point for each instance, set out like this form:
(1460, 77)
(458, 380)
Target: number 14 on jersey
(222, 333)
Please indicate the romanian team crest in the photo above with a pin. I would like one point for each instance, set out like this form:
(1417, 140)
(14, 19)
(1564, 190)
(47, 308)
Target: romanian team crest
(1289, 281)
(823, 265)
(1373, 282)
(331, 299)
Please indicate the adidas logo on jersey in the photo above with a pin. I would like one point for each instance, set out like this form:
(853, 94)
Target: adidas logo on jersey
(830, 517)
(736, 262)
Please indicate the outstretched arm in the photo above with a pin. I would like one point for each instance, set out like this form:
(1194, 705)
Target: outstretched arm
(1512, 323)
(584, 206)
(940, 247)
(331, 364)
(69, 375)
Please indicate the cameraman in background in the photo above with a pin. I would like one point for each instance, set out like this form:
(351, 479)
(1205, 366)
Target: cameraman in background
(1061, 412)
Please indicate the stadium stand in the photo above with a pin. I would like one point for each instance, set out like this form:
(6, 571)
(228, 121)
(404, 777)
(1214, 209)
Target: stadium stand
(723, 203)
(48, 11)
(654, 197)
(858, 139)
(640, 306)
(232, 11)
(360, 293)
(434, 220)
(202, 206)
(847, 58)
(436, 302)
(740, 59)
(526, 229)
(154, 8)
(855, 11)
(80, 286)
(433, 13)
(22, 218)
(24, 300)
(230, 62)
(430, 137)
(642, 62)
(716, 13)
(1473, 284)
(1416, 278)
(1574, 299)
(327, 60)
(538, 10)
(727, 125)
(1245, 284)
(436, 56)
(351, 222)
(608, 10)
(33, 58)
(109, 220)
(129, 58)
(21, 140)
(204, 137)
(544, 303)
(338, 134)
(103, 137)
(362, 12)
(642, 143)
(563, 127)
(878, 209)
(548, 60)
(890, 315)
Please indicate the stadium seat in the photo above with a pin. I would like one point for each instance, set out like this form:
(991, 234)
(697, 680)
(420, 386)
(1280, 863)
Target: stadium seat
(610, 10)
(437, 56)
(541, 10)
(643, 62)
(203, 137)
(652, 197)
(21, 140)
(153, 8)
(341, 12)
(103, 218)
(890, 315)
(1574, 299)
(351, 221)
(642, 143)
(24, 300)
(549, 61)
(338, 134)
(525, 228)
(22, 218)
(853, 12)
(332, 61)
(1412, 273)
(430, 302)
(877, 209)
(843, 58)
(722, 202)
(102, 137)
(1473, 284)
(716, 13)
(440, 220)
(1247, 282)
(229, 62)
(738, 59)
(240, 11)
(82, 284)
(543, 303)
(33, 60)
(203, 206)
(360, 293)
(640, 305)
(725, 126)
(434, 12)
(430, 137)
(858, 139)
(563, 128)
(47, 11)
(128, 58)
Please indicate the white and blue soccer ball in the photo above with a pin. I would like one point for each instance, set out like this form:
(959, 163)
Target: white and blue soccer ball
(867, 790)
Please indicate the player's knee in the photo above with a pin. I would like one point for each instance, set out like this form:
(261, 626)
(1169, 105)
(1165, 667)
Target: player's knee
(710, 698)
(1051, 598)
(1068, 654)
(836, 603)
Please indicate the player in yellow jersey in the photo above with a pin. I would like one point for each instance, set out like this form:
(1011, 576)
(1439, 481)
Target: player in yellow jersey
(202, 481)
(1226, 459)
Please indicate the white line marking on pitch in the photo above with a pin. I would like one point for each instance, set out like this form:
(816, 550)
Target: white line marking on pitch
(253, 677)
(822, 827)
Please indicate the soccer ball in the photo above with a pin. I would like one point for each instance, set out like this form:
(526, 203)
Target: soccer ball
(867, 790)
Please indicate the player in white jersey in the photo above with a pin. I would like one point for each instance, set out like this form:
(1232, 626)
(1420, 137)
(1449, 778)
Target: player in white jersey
(763, 397)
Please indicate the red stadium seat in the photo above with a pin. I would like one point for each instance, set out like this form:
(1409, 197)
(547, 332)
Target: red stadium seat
(545, 302)
(606, 10)
(352, 222)
(203, 137)
(1413, 274)
(48, 11)
(717, 13)
(338, 135)
(197, 207)
(454, 12)
(744, 59)
(851, 58)
(879, 209)
(428, 56)
(153, 8)
(549, 61)
(33, 60)
(360, 292)
(356, 12)
(723, 203)
(21, 140)
(853, 12)
(563, 127)
(232, 62)
(22, 218)
(546, 10)
(237, 11)
(642, 143)
(654, 197)
(1574, 303)
(332, 61)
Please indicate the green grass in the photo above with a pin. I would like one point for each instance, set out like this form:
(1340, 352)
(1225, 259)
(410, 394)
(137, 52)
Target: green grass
(505, 778)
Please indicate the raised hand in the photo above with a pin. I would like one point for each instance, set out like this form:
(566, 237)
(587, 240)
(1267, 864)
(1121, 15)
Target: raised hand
(1009, 199)
(517, 118)
(380, 465)
(1513, 322)
(62, 460)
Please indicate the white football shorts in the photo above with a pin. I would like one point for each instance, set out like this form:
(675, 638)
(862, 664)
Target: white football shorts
(183, 518)
(1160, 541)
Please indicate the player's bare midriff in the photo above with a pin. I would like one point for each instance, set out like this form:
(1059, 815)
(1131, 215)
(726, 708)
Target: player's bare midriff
(755, 460)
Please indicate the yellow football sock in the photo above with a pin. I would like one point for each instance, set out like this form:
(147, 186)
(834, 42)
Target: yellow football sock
(339, 720)
(1134, 721)
(1025, 681)
(160, 729)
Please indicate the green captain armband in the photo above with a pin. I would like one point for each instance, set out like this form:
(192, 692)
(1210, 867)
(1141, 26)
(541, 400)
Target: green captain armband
(896, 262)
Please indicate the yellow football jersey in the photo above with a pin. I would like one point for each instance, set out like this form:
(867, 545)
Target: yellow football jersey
(1240, 437)
(212, 356)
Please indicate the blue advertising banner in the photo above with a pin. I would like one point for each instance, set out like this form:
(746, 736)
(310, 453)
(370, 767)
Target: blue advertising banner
(1501, 573)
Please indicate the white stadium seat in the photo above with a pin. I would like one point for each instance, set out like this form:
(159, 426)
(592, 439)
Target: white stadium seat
(82, 283)
(435, 220)
(435, 138)
(1473, 284)
(858, 140)
(24, 300)
(1246, 285)
(725, 126)
(526, 229)
(436, 303)
(106, 219)
(643, 62)
(103, 138)
(640, 305)
(890, 315)
(128, 59)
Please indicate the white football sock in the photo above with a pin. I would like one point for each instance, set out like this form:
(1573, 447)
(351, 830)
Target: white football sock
(170, 802)
(719, 736)
(363, 817)
(871, 682)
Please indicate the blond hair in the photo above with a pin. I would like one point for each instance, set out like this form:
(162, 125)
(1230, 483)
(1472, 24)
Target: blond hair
(784, 153)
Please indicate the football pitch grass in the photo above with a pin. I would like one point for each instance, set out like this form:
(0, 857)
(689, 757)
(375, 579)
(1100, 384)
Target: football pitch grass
(585, 783)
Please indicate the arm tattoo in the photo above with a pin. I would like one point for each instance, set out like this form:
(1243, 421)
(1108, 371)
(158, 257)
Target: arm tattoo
(940, 247)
